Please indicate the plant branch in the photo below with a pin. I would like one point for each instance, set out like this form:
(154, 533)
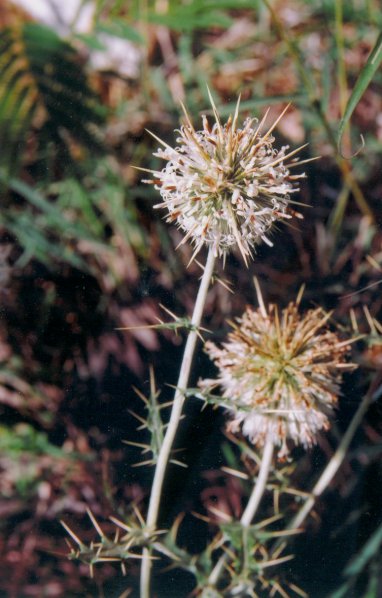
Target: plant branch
(252, 506)
(176, 412)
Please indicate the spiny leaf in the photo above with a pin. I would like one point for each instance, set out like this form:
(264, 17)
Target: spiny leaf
(179, 323)
(152, 422)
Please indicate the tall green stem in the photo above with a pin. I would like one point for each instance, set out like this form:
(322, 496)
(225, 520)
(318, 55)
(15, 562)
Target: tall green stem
(252, 506)
(176, 412)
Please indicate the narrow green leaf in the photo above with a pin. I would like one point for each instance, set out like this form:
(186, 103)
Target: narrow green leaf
(91, 41)
(255, 103)
(41, 36)
(203, 21)
(342, 591)
(364, 78)
(369, 550)
(36, 245)
(117, 28)
(52, 212)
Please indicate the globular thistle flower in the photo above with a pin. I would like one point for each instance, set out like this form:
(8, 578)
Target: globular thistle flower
(280, 374)
(226, 186)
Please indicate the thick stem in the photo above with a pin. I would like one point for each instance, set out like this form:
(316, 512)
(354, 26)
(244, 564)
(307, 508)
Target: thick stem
(176, 412)
(252, 506)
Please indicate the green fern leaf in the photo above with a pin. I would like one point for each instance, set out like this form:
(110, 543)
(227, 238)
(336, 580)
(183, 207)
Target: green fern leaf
(43, 83)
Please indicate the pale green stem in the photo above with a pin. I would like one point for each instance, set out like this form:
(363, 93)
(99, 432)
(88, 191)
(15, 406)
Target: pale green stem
(176, 412)
(252, 506)
(331, 468)
(259, 488)
(334, 463)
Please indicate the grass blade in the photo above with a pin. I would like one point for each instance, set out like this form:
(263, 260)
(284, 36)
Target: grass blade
(361, 85)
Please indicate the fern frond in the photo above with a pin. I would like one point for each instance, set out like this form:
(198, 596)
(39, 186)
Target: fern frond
(43, 83)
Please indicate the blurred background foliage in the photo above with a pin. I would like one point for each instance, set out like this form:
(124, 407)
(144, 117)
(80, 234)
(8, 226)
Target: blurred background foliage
(82, 253)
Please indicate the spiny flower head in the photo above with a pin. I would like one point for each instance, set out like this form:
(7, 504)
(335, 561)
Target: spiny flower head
(226, 186)
(280, 374)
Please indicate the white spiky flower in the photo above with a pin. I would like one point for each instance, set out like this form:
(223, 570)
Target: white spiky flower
(226, 186)
(280, 374)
